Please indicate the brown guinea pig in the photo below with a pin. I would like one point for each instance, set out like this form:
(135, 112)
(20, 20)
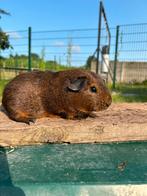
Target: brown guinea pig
(70, 94)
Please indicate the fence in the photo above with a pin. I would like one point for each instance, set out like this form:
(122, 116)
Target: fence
(131, 54)
(14, 60)
(65, 47)
(57, 49)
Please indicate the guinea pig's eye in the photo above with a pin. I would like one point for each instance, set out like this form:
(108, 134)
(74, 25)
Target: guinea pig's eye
(93, 89)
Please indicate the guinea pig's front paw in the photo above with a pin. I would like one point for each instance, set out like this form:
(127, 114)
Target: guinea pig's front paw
(30, 121)
(66, 115)
(63, 114)
(92, 115)
(83, 115)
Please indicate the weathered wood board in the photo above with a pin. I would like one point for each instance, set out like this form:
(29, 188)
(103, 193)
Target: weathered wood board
(119, 123)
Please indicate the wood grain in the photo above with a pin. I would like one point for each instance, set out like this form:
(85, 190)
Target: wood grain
(120, 123)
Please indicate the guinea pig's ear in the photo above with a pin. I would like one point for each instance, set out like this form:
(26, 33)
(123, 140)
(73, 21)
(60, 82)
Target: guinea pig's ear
(77, 84)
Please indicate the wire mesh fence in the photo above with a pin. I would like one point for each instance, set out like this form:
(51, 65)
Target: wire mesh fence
(52, 49)
(60, 49)
(15, 59)
(67, 47)
(132, 54)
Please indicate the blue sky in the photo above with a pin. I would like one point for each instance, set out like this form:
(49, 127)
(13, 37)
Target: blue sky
(67, 14)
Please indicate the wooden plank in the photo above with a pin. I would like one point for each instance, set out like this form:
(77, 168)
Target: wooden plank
(121, 122)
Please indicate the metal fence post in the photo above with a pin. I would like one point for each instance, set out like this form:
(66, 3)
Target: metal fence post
(29, 48)
(99, 36)
(116, 55)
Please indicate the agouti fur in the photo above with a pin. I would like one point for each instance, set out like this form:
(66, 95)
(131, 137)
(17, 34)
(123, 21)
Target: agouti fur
(70, 94)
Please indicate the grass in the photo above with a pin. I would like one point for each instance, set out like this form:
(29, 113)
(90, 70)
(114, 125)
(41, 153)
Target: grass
(130, 93)
(121, 99)
(2, 85)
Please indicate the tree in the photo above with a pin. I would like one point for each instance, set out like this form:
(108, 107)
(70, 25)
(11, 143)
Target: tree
(35, 56)
(4, 41)
(4, 12)
(89, 60)
(4, 38)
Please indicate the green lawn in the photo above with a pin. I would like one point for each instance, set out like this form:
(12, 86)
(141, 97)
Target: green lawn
(2, 85)
(130, 93)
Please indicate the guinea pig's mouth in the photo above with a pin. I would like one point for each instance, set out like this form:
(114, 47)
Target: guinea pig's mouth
(105, 107)
(102, 106)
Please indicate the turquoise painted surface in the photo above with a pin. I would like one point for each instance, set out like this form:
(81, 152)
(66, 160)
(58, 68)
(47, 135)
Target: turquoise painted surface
(67, 169)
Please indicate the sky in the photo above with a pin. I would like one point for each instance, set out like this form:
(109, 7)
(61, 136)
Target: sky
(68, 14)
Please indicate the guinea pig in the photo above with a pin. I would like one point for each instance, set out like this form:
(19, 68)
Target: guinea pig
(71, 94)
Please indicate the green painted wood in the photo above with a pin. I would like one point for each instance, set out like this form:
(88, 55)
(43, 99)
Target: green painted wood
(72, 167)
